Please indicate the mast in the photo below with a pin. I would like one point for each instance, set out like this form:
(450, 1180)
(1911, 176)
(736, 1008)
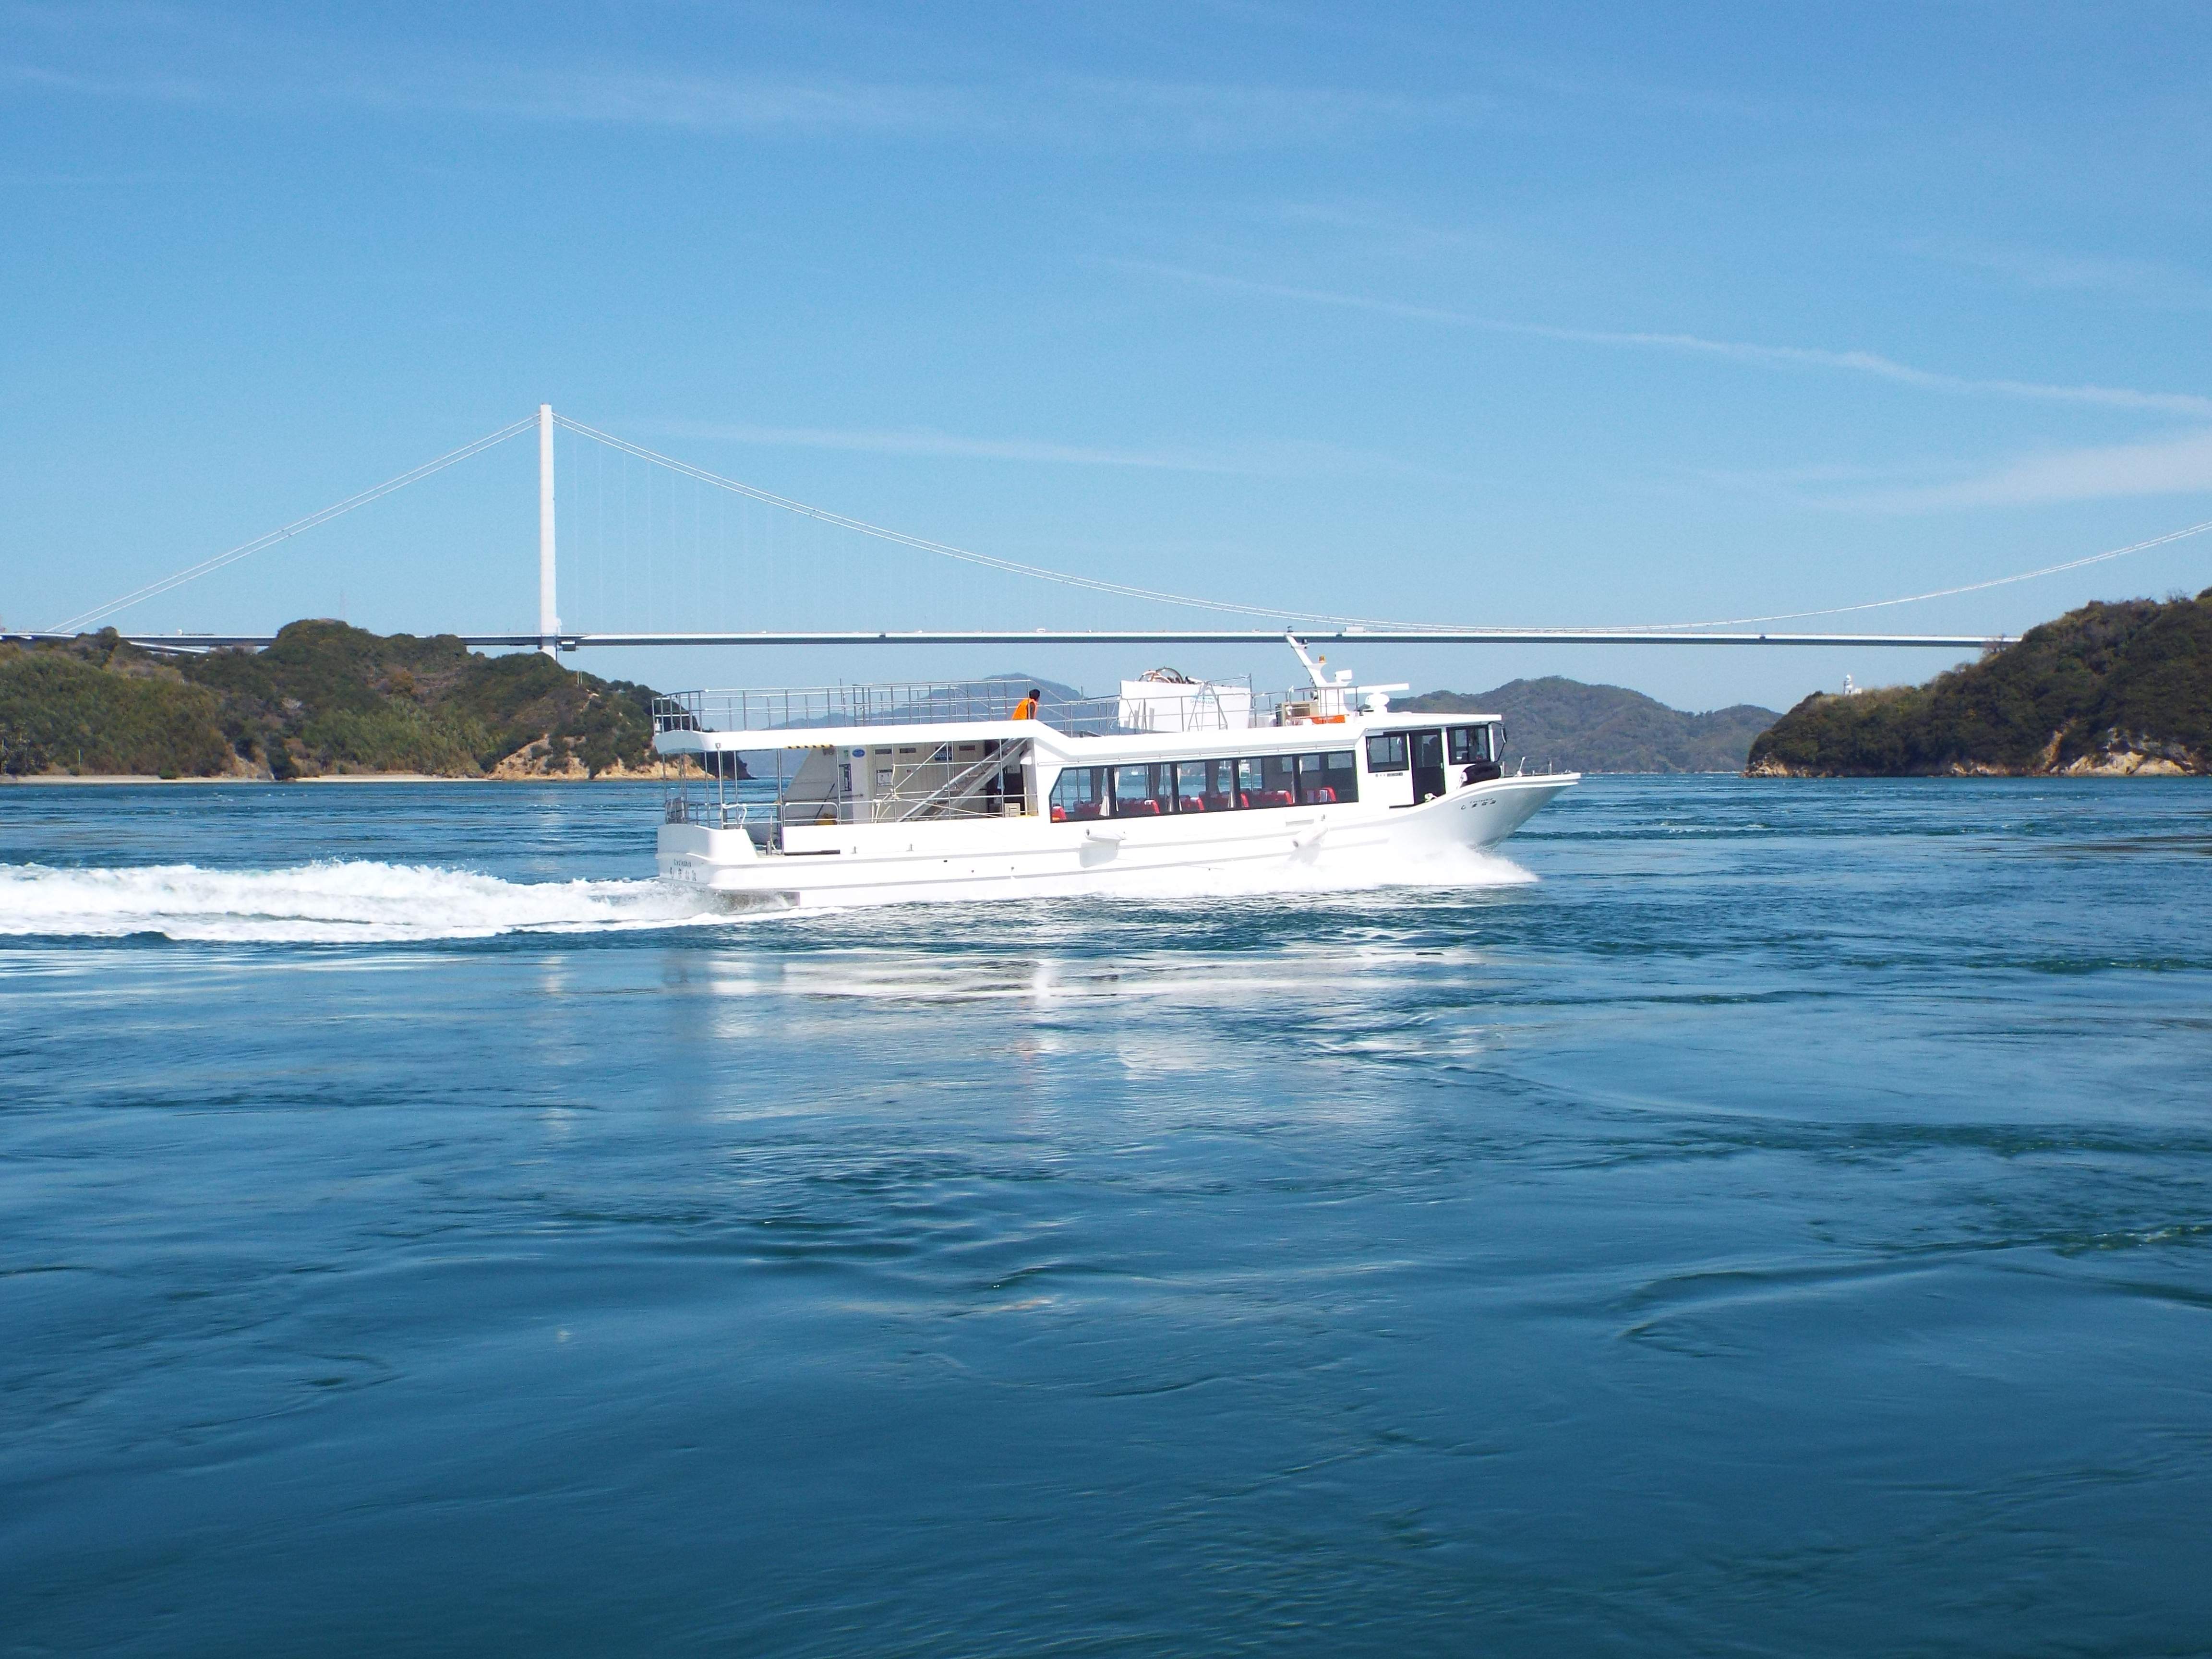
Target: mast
(548, 618)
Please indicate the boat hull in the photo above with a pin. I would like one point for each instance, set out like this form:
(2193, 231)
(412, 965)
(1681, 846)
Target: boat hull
(1034, 857)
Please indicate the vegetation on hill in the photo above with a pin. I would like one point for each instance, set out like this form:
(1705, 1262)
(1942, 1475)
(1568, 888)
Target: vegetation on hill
(97, 707)
(2108, 689)
(324, 698)
(1604, 728)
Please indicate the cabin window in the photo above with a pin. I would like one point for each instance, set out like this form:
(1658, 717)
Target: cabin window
(1328, 780)
(1466, 744)
(1386, 752)
(1206, 786)
(1222, 797)
(1138, 791)
(1268, 780)
(1428, 749)
(1080, 793)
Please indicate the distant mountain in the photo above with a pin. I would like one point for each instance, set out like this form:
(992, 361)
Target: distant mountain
(1053, 690)
(2108, 689)
(1575, 728)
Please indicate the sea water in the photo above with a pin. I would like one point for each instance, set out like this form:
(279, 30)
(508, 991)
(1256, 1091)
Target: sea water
(1762, 1217)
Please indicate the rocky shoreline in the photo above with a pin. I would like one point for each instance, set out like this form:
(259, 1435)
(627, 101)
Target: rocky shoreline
(2120, 756)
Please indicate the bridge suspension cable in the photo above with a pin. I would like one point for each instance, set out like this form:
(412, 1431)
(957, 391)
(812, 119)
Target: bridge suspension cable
(944, 549)
(1331, 619)
(1948, 593)
(1301, 620)
(246, 549)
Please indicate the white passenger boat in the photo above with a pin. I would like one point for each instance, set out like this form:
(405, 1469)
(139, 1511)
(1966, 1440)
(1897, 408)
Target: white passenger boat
(972, 791)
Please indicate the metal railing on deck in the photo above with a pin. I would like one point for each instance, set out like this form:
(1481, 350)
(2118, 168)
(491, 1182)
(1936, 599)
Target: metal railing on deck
(682, 808)
(945, 701)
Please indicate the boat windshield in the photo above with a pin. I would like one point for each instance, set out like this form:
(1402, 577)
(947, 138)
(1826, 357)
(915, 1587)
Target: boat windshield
(1473, 744)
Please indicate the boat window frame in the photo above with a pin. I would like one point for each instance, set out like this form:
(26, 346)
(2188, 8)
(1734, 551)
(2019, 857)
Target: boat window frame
(1070, 810)
(1262, 777)
(1147, 802)
(1221, 784)
(1342, 782)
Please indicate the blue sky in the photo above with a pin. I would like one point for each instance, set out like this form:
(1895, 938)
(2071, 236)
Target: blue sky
(1536, 316)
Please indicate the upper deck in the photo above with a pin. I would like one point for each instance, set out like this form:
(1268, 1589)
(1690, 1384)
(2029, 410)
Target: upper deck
(812, 716)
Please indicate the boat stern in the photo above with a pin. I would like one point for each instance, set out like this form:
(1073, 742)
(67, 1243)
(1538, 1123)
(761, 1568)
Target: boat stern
(693, 854)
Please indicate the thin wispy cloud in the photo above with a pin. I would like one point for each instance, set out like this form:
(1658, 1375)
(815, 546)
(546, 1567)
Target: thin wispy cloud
(2165, 467)
(1855, 362)
(155, 87)
(942, 446)
(138, 60)
(1062, 108)
(1276, 458)
(698, 103)
(1385, 232)
(2151, 280)
(637, 98)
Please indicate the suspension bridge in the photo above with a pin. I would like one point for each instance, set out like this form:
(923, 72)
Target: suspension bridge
(621, 525)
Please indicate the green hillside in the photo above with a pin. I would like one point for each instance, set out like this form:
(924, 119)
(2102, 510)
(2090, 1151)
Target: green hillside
(1604, 728)
(93, 707)
(323, 699)
(2108, 689)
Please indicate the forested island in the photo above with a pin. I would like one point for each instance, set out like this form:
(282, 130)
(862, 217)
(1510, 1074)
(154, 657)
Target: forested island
(325, 700)
(2108, 689)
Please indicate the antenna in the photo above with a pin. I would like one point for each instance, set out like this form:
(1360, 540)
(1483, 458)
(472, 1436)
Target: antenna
(1313, 668)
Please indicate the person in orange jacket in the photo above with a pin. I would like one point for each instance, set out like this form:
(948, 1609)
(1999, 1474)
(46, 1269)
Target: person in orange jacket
(1026, 710)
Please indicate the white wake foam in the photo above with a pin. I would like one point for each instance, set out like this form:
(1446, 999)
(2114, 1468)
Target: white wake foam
(352, 901)
(336, 902)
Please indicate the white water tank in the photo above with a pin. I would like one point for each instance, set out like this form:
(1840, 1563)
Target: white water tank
(1183, 706)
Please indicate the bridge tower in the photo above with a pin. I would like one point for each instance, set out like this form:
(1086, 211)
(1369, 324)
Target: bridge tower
(549, 612)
